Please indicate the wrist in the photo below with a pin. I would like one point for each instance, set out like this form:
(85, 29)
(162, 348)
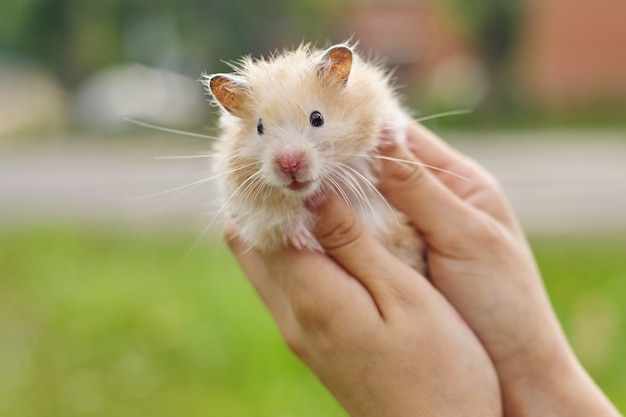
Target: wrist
(553, 383)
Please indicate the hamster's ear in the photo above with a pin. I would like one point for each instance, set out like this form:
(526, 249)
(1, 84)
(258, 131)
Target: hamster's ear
(336, 63)
(230, 92)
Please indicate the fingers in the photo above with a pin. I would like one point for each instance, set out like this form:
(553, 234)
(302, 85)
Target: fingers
(345, 238)
(433, 208)
(259, 275)
(303, 290)
(460, 176)
(466, 178)
(355, 269)
(322, 294)
(433, 151)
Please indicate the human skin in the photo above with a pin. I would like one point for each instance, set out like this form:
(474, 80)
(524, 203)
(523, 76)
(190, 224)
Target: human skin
(387, 342)
(479, 259)
(374, 331)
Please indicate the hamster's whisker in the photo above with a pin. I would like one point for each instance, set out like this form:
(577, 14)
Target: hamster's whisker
(192, 184)
(169, 157)
(255, 189)
(378, 193)
(247, 250)
(252, 191)
(167, 129)
(329, 176)
(252, 186)
(354, 185)
(408, 162)
(434, 168)
(344, 177)
(177, 196)
(338, 176)
(172, 190)
(217, 214)
(444, 114)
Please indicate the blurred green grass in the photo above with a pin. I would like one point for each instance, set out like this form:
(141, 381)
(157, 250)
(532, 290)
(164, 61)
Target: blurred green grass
(103, 323)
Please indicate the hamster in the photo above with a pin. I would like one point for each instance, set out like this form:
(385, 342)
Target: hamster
(296, 126)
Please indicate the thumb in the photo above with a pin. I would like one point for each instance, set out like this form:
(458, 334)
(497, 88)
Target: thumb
(346, 239)
(437, 212)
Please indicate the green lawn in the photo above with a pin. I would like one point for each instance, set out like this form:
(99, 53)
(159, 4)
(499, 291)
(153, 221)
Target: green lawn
(106, 324)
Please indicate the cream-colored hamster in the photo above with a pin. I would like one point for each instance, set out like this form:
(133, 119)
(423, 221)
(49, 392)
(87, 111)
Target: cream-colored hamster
(299, 125)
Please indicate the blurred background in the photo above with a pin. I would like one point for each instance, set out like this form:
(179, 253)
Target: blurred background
(117, 297)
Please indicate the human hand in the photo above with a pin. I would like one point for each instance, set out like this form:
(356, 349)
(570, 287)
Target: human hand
(479, 259)
(374, 331)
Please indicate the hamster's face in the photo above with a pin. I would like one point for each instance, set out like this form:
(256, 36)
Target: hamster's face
(290, 138)
(289, 159)
(297, 118)
(306, 137)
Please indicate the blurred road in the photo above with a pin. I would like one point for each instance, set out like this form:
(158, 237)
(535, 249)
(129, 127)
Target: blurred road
(558, 182)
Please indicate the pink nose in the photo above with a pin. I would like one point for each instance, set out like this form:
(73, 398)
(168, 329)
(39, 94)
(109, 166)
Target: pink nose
(290, 163)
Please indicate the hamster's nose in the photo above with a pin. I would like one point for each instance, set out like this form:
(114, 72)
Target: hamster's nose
(290, 163)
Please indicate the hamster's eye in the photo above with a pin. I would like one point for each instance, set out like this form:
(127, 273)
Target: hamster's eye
(259, 127)
(316, 119)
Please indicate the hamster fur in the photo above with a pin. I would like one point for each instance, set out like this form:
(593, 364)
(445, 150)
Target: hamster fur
(298, 125)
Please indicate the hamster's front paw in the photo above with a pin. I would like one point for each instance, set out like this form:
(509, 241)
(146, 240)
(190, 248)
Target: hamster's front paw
(391, 134)
(386, 138)
(300, 237)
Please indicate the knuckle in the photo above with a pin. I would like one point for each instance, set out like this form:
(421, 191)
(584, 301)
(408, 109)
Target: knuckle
(487, 233)
(406, 176)
(477, 236)
(486, 181)
(492, 185)
(406, 173)
(341, 232)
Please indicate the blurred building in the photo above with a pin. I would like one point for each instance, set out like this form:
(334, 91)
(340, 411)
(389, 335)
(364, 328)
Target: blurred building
(573, 52)
(565, 53)
(425, 43)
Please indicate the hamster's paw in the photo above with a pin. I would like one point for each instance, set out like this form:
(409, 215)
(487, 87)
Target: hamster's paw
(314, 246)
(386, 138)
(390, 136)
(299, 237)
